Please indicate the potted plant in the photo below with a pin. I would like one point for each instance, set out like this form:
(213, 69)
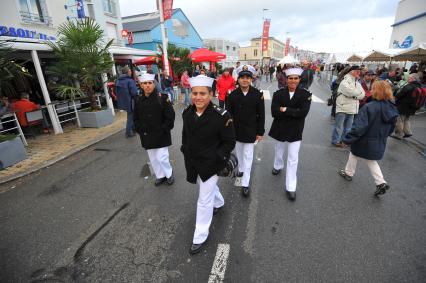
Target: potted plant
(82, 57)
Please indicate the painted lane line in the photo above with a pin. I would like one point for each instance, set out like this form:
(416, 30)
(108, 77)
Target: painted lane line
(219, 264)
(317, 99)
(266, 94)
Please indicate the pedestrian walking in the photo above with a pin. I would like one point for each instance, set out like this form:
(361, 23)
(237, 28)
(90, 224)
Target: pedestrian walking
(126, 90)
(154, 119)
(406, 107)
(349, 93)
(235, 72)
(225, 84)
(369, 133)
(247, 107)
(289, 108)
(367, 84)
(184, 81)
(166, 83)
(307, 77)
(208, 137)
(266, 72)
(271, 72)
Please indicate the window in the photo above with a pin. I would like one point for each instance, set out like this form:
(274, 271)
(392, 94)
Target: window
(109, 7)
(91, 10)
(233, 48)
(255, 52)
(111, 30)
(227, 47)
(34, 11)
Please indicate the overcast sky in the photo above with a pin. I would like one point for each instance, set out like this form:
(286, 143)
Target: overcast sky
(318, 25)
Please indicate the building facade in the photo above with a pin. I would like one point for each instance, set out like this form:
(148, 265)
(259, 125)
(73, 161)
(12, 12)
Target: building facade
(409, 28)
(252, 54)
(147, 33)
(230, 48)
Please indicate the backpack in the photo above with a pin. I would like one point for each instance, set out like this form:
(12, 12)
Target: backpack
(418, 97)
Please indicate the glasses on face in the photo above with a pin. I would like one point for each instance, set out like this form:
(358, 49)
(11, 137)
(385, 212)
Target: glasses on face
(147, 83)
(293, 78)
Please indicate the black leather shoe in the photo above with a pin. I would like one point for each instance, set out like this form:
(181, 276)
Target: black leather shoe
(159, 181)
(407, 136)
(216, 210)
(276, 171)
(291, 195)
(170, 180)
(245, 191)
(381, 189)
(195, 248)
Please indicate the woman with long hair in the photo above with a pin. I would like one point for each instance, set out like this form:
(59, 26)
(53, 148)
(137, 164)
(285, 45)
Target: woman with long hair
(369, 133)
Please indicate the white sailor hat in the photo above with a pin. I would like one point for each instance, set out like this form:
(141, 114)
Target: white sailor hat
(146, 77)
(293, 72)
(201, 80)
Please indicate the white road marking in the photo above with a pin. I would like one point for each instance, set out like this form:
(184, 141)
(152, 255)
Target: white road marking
(219, 264)
(317, 99)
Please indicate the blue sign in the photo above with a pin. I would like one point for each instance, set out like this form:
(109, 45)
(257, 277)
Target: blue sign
(24, 33)
(407, 43)
(80, 9)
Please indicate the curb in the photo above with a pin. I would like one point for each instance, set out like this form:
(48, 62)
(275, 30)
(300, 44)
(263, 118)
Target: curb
(61, 157)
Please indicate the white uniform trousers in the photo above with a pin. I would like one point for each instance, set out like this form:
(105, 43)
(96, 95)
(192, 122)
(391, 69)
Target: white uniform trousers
(372, 165)
(209, 197)
(292, 161)
(244, 152)
(159, 159)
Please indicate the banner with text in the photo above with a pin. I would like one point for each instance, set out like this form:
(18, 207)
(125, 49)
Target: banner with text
(265, 34)
(167, 9)
(287, 46)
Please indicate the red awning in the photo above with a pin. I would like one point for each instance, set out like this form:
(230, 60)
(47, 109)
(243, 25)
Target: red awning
(205, 55)
(146, 61)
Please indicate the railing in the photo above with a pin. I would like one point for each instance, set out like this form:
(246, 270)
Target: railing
(27, 17)
(10, 117)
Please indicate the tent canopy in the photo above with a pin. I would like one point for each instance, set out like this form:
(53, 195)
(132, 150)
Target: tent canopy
(354, 58)
(381, 55)
(205, 55)
(416, 53)
(288, 60)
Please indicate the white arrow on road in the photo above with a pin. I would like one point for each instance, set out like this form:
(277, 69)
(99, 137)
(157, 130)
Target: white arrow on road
(267, 96)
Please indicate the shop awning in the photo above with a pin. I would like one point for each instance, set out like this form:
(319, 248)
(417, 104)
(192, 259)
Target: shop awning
(415, 54)
(205, 55)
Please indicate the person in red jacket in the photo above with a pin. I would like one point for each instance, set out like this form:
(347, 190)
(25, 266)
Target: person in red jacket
(23, 106)
(225, 85)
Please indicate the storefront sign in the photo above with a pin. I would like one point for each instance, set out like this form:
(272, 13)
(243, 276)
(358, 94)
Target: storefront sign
(407, 43)
(24, 33)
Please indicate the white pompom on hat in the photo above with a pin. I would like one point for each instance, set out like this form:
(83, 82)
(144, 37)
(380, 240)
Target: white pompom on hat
(146, 77)
(201, 80)
(293, 72)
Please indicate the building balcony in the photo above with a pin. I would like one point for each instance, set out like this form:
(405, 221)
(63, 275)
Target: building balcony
(31, 18)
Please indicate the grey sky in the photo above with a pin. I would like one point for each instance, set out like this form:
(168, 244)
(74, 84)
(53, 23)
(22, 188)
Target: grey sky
(319, 25)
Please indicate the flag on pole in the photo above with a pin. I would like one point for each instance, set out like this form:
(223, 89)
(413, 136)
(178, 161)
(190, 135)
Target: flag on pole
(287, 46)
(167, 9)
(265, 34)
(80, 9)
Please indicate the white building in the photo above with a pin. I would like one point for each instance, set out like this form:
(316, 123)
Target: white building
(409, 28)
(230, 48)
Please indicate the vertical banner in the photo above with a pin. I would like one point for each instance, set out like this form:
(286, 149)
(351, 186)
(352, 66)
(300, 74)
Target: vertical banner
(167, 9)
(80, 9)
(265, 34)
(287, 46)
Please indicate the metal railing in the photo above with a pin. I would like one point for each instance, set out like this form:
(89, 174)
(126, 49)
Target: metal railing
(10, 117)
(27, 17)
(67, 110)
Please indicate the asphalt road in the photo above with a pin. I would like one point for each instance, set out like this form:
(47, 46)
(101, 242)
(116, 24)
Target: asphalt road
(93, 218)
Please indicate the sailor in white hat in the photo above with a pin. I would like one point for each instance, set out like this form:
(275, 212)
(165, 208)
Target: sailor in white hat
(290, 106)
(247, 107)
(208, 137)
(154, 119)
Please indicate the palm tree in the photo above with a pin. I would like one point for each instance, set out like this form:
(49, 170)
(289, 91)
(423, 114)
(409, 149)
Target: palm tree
(82, 58)
(11, 73)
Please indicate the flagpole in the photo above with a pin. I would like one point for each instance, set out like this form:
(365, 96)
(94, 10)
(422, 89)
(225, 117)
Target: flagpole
(164, 38)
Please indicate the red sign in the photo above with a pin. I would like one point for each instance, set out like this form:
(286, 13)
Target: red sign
(167, 9)
(130, 38)
(287, 46)
(265, 34)
(124, 33)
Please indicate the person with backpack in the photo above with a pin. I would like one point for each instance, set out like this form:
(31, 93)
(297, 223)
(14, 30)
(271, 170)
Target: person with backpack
(406, 102)
(154, 119)
(369, 133)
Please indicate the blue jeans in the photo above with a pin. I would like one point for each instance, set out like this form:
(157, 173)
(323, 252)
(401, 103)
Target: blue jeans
(130, 125)
(171, 93)
(187, 100)
(342, 126)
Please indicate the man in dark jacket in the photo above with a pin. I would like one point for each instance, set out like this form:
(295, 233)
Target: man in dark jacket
(126, 91)
(405, 105)
(289, 108)
(154, 119)
(247, 108)
(307, 76)
(208, 137)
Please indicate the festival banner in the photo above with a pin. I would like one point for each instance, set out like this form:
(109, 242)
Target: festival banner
(265, 34)
(287, 46)
(167, 9)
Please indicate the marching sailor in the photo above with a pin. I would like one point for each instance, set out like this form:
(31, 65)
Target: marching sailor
(247, 108)
(289, 108)
(154, 119)
(208, 137)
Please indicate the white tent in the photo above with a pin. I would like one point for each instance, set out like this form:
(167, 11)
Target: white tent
(415, 53)
(382, 55)
(288, 60)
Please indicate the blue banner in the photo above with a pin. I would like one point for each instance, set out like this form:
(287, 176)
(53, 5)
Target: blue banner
(80, 9)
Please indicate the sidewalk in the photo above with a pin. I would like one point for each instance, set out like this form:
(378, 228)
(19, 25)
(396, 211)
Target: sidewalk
(46, 150)
(418, 126)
